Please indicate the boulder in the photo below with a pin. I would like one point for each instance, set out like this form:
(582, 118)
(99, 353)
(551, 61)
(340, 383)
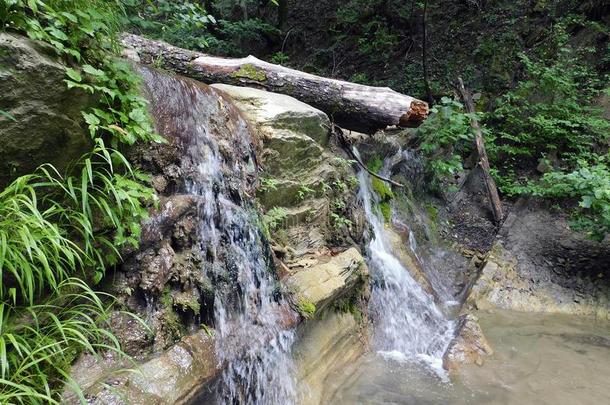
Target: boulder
(277, 111)
(174, 377)
(469, 346)
(45, 123)
(294, 137)
(327, 280)
(305, 175)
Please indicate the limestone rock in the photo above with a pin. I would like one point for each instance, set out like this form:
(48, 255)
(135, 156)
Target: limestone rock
(540, 265)
(325, 346)
(323, 283)
(47, 116)
(469, 345)
(173, 377)
(279, 111)
(294, 137)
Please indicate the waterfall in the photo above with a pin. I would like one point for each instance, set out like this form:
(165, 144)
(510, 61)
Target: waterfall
(407, 323)
(252, 339)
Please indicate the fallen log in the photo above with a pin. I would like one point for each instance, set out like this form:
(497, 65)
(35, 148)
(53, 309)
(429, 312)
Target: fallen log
(352, 106)
(490, 184)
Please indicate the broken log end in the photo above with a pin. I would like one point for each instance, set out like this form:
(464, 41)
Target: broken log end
(417, 113)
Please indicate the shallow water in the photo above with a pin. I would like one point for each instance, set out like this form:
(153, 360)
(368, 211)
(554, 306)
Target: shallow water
(538, 359)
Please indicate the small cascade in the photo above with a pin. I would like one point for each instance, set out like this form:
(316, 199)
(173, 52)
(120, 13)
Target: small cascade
(252, 338)
(407, 323)
(410, 165)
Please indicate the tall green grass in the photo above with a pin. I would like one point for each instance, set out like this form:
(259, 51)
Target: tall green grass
(53, 227)
(57, 236)
(59, 232)
(39, 342)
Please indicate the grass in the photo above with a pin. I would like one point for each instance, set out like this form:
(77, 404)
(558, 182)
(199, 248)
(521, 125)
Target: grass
(38, 343)
(60, 232)
(57, 235)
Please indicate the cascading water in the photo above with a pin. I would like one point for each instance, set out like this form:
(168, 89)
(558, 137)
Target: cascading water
(407, 323)
(252, 340)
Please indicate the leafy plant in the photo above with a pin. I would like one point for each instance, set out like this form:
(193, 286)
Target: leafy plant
(280, 58)
(274, 217)
(59, 232)
(268, 184)
(339, 221)
(590, 183)
(305, 191)
(188, 24)
(182, 23)
(551, 112)
(444, 137)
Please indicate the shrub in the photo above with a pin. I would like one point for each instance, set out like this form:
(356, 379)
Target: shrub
(444, 137)
(551, 111)
(59, 232)
(590, 183)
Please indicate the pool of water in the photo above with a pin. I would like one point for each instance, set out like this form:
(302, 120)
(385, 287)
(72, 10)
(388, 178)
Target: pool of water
(538, 359)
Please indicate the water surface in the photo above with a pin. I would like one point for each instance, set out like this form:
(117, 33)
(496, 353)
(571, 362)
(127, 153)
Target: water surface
(539, 359)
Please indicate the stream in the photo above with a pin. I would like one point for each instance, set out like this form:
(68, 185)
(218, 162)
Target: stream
(538, 359)
(407, 325)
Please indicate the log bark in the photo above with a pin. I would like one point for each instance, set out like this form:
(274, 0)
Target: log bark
(352, 106)
(490, 184)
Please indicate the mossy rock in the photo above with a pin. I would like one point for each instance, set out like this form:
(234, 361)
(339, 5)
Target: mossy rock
(46, 124)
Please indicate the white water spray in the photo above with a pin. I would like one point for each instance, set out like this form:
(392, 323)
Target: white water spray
(407, 323)
(253, 342)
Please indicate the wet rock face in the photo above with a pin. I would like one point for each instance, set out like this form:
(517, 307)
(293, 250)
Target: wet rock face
(309, 184)
(174, 377)
(469, 345)
(47, 119)
(540, 265)
(325, 347)
(172, 276)
(323, 283)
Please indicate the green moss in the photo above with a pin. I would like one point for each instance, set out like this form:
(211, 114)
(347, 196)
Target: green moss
(382, 189)
(306, 308)
(349, 305)
(432, 211)
(386, 210)
(375, 164)
(249, 71)
(171, 319)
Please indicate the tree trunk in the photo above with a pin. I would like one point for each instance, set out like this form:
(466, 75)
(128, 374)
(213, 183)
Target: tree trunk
(424, 52)
(490, 184)
(352, 106)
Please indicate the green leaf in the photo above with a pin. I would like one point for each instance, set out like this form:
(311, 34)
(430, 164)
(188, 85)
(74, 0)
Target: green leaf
(93, 71)
(57, 34)
(7, 115)
(69, 16)
(74, 75)
(586, 201)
